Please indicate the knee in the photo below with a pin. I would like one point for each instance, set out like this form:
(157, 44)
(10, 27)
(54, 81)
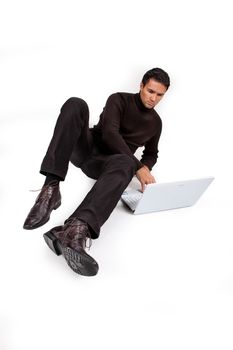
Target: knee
(75, 104)
(125, 163)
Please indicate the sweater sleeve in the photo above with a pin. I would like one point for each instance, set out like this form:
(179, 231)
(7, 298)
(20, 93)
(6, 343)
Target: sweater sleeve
(150, 152)
(111, 121)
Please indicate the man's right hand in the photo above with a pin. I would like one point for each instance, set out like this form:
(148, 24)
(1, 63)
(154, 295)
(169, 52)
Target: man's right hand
(145, 177)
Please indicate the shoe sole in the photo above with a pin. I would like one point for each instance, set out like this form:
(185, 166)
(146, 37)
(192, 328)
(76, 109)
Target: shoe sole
(78, 260)
(41, 223)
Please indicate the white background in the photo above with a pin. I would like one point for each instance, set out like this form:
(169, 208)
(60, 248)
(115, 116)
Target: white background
(165, 279)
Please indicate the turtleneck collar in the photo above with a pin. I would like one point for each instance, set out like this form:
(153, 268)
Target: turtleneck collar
(139, 103)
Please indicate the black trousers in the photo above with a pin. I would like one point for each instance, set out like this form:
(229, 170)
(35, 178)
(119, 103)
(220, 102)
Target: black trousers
(72, 140)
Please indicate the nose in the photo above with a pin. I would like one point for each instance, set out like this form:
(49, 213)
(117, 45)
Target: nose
(154, 97)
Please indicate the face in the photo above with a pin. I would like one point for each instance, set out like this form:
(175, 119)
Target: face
(151, 93)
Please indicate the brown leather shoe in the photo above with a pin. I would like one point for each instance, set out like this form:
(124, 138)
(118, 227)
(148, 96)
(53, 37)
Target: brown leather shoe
(70, 241)
(49, 199)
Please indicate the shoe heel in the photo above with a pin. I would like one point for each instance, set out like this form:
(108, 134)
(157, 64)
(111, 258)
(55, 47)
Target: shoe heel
(52, 242)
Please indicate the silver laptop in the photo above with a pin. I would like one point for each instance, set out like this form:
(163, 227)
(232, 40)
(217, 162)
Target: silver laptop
(165, 196)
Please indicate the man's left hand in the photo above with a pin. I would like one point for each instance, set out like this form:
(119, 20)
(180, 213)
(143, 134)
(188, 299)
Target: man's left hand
(145, 177)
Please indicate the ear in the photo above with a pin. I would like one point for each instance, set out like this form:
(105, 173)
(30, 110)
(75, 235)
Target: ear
(141, 86)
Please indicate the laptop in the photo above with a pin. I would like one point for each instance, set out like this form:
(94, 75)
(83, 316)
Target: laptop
(165, 196)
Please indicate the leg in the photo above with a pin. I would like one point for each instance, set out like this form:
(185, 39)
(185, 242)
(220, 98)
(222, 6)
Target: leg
(117, 171)
(71, 138)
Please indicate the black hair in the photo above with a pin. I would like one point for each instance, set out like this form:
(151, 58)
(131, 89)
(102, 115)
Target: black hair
(157, 74)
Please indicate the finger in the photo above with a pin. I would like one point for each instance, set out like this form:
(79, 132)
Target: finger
(152, 179)
(143, 186)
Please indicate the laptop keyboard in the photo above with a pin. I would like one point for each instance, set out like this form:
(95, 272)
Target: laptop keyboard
(131, 198)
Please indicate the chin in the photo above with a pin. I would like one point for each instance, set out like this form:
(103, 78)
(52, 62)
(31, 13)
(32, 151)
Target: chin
(149, 106)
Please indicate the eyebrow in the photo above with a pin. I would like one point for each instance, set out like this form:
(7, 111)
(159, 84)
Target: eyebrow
(158, 93)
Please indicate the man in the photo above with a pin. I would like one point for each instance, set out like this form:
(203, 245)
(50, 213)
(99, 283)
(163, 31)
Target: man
(105, 153)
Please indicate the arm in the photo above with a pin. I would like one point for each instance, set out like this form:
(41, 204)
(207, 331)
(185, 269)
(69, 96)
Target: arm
(112, 138)
(149, 158)
(150, 153)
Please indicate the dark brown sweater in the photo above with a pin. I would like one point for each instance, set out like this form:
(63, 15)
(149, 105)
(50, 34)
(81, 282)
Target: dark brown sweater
(126, 124)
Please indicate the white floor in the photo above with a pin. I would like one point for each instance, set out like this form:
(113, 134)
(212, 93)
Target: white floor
(165, 279)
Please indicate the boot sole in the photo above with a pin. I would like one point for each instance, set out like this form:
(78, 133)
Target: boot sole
(78, 260)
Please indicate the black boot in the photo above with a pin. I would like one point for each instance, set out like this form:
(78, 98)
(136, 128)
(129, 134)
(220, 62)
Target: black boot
(70, 241)
(49, 199)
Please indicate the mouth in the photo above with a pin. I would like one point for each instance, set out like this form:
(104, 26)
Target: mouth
(151, 104)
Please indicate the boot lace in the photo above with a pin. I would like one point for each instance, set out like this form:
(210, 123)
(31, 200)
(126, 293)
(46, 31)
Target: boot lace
(82, 232)
(45, 192)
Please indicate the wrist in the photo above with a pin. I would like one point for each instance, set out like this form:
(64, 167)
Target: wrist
(146, 167)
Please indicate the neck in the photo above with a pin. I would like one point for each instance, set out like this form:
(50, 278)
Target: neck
(139, 103)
